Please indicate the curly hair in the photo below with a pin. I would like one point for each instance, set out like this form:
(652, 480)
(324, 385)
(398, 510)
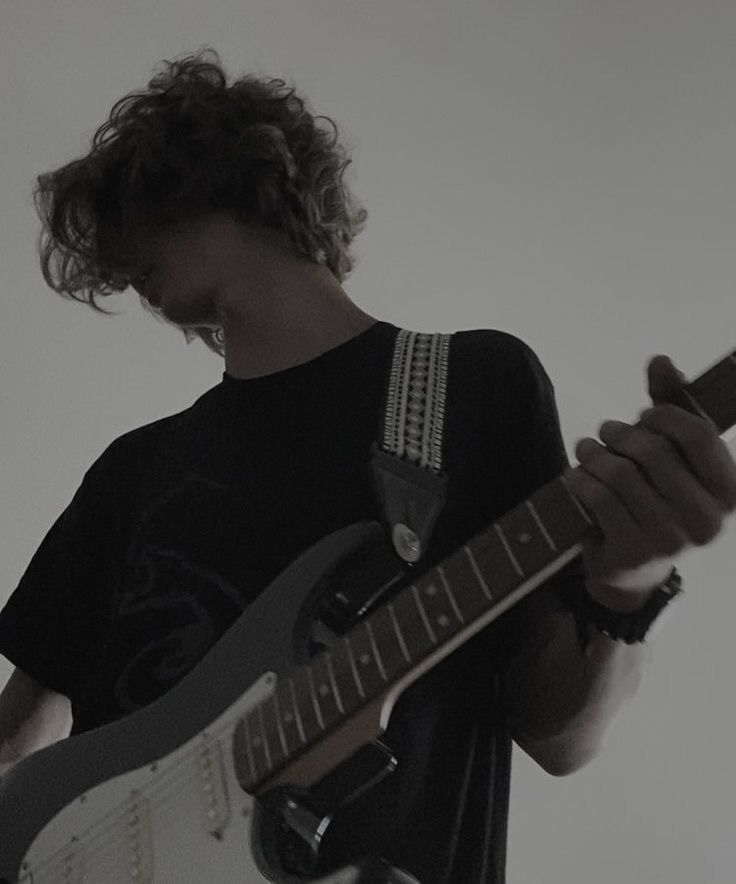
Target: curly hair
(191, 144)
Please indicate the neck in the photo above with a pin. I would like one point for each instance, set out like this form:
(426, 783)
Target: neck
(296, 323)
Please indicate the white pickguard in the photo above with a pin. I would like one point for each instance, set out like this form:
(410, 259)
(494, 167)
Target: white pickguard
(184, 819)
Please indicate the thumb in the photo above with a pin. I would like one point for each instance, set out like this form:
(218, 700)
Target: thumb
(664, 379)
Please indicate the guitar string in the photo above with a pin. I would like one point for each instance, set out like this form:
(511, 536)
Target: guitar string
(97, 843)
(166, 792)
(108, 866)
(92, 845)
(111, 838)
(174, 775)
(113, 852)
(178, 774)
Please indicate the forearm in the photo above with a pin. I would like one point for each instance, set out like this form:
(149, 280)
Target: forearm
(571, 697)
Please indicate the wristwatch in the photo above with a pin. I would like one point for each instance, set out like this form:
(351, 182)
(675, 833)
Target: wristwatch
(619, 625)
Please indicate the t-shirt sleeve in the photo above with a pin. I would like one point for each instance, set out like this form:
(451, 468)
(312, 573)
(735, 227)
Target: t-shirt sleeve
(53, 622)
(534, 454)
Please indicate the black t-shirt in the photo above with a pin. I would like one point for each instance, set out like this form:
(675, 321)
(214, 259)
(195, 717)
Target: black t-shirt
(181, 523)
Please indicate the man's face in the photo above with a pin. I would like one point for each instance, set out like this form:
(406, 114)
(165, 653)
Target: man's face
(199, 269)
(180, 272)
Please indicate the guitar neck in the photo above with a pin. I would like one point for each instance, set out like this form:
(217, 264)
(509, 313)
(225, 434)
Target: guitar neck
(399, 641)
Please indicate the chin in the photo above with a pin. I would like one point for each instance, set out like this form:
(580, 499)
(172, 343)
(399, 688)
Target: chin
(190, 311)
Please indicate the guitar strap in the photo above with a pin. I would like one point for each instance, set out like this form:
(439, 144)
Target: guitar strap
(407, 464)
(407, 476)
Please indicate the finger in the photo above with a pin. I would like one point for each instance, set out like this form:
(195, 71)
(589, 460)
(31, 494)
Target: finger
(625, 483)
(664, 379)
(666, 473)
(615, 527)
(702, 449)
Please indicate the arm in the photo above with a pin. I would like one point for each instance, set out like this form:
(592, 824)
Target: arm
(31, 717)
(560, 702)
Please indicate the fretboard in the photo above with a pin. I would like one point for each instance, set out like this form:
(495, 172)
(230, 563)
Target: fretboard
(442, 609)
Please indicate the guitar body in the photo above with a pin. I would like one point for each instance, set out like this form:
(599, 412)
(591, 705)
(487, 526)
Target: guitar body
(155, 797)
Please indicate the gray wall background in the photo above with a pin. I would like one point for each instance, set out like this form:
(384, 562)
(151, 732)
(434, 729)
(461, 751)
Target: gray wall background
(559, 169)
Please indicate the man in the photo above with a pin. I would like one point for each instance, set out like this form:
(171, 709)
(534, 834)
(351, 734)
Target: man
(181, 523)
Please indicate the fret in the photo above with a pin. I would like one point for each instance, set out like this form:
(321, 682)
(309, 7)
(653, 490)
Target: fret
(259, 710)
(247, 774)
(243, 736)
(524, 541)
(499, 531)
(300, 724)
(470, 590)
(365, 662)
(277, 713)
(305, 705)
(343, 674)
(535, 515)
(399, 636)
(376, 655)
(334, 682)
(413, 630)
(270, 729)
(422, 613)
(353, 666)
(450, 594)
(563, 516)
(324, 695)
(485, 558)
(476, 571)
(287, 713)
(313, 695)
(392, 653)
(255, 740)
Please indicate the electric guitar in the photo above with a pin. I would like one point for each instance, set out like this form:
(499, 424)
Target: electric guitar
(196, 786)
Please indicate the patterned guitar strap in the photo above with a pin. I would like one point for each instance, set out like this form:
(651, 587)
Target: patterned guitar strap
(406, 472)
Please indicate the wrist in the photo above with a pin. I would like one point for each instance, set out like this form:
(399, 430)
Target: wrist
(632, 589)
(615, 598)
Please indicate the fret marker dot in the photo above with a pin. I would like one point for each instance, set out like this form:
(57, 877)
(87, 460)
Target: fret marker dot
(431, 589)
(288, 717)
(324, 690)
(525, 538)
(443, 620)
(365, 659)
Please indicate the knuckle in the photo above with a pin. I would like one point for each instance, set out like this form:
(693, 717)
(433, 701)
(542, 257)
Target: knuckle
(623, 471)
(730, 504)
(674, 543)
(706, 531)
(700, 435)
(599, 496)
(654, 449)
(716, 527)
